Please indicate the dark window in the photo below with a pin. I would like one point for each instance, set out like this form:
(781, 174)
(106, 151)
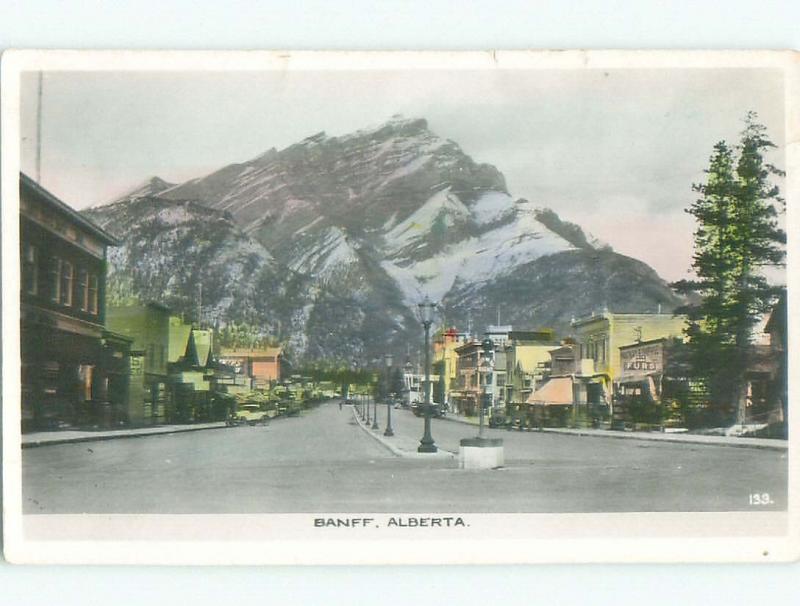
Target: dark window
(66, 283)
(83, 289)
(30, 269)
(55, 278)
(93, 294)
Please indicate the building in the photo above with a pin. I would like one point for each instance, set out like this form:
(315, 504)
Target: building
(194, 376)
(478, 375)
(778, 342)
(148, 326)
(444, 362)
(64, 346)
(527, 359)
(598, 339)
(466, 390)
(261, 365)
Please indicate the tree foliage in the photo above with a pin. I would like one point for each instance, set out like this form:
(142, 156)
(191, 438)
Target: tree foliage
(737, 236)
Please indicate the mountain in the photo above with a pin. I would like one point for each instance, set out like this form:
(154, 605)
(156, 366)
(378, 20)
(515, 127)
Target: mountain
(147, 189)
(331, 242)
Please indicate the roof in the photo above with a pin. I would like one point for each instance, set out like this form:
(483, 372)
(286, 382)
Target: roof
(202, 341)
(178, 339)
(25, 182)
(557, 391)
(777, 316)
(640, 343)
(609, 315)
(250, 353)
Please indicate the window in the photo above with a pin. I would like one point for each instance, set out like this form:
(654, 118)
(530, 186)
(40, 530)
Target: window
(67, 272)
(30, 269)
(55, 279)
(93, 307)
(83, 289)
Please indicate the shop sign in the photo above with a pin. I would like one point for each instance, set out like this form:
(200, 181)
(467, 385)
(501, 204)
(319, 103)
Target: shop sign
(642, 360)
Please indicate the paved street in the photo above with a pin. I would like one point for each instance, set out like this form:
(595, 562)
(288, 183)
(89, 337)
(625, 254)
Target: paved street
(325, 462)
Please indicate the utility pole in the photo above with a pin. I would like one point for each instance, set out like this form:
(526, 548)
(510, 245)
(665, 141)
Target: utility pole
(199, 303)
(39, 130)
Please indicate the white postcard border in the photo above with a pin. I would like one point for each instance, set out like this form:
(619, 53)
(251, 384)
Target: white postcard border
(436, 546)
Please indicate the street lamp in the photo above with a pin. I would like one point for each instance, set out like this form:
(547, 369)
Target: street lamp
(426, 309)
(486, 369)
(375, 408)
(388, 361)
(366, 407)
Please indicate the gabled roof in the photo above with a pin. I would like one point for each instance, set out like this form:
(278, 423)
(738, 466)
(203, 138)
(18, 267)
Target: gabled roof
(250, 353)
(200, 345)
(26, 183)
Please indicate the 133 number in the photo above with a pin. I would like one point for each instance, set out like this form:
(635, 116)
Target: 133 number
(761, 498)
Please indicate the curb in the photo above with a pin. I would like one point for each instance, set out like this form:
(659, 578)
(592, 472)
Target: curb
(104, 438)
(398, 452)
(778, 445)
(668, 440)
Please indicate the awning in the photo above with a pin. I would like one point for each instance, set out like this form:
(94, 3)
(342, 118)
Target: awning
(557, 391)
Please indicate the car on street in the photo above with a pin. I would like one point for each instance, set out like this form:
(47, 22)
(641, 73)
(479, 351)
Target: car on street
(249, 414)
(437, 410)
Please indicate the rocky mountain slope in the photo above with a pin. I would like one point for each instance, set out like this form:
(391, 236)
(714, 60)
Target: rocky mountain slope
(331, 243)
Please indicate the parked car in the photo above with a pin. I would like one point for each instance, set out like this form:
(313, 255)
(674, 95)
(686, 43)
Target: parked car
(437, 410)
(249, 414)
(499, 418)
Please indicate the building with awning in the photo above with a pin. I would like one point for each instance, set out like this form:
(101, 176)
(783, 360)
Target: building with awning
(557, 391)
(552, 402)
(599, 339)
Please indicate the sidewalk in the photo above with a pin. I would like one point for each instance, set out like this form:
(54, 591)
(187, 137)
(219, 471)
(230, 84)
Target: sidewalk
(401, 446)
(48, 438)
(682, 438)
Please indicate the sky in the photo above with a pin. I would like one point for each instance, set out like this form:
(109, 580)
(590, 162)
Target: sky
(615, 151)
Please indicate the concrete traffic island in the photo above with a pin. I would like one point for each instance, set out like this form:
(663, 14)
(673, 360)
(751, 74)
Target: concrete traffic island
(480, 453)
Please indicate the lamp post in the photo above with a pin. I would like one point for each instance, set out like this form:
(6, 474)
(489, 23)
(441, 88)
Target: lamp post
(366, 407)
(426, 309)
(388, 361)
(486, 369)
(375, 408)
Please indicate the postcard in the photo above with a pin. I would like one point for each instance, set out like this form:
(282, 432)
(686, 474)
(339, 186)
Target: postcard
(400, 307)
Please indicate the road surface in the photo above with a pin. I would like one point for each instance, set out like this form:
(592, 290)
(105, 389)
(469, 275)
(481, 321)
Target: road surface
(324, 462)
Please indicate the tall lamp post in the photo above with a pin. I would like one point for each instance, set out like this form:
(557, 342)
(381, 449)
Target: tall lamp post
(486, 369)
(426, 309)
(375, 407)
(388, 360)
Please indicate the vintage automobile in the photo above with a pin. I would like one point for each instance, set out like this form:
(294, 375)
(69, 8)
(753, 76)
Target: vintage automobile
(437, 410)
(249, 414)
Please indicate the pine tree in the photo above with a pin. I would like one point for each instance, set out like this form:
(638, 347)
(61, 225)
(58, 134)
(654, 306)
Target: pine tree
(737, 236)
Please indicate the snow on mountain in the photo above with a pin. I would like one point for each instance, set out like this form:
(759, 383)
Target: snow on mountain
(492, 206)
(492, 254)
(330, 253)
(441, 211)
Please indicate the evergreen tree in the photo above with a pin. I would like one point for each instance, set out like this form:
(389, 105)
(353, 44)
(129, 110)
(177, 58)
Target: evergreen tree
(737, 236)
